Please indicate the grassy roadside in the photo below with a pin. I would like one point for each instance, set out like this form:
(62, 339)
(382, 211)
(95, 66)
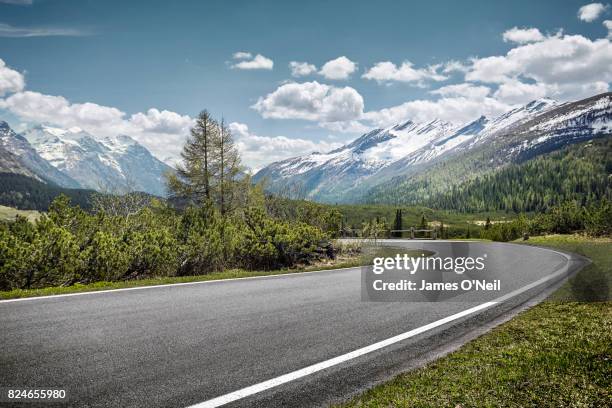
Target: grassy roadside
(557, 354)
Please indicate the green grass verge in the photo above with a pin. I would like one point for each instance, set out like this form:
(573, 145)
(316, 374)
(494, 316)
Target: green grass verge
(556, 354)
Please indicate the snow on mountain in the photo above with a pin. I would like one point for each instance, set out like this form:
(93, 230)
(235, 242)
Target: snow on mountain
(382, 154)
(111, 164)
(29, 158)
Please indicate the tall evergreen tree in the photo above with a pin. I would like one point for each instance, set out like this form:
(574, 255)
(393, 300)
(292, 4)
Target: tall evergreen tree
(397, 224)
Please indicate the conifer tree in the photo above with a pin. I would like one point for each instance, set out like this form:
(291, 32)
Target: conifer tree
(193, 178)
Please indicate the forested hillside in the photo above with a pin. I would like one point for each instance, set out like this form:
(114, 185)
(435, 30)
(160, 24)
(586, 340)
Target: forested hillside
(578, 173)
(25, 193)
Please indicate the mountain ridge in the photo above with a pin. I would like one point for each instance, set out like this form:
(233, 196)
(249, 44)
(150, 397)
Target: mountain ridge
(348, 173)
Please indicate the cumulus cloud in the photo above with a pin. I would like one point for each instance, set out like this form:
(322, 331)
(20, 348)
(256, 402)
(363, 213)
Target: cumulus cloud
(454, 66)
(387, 71)
(299, 69)
(164, 121)
(257, 151)
(7, 30)
(517, 92)
(242, 55)
(250, 62)
(311, 101)
(452, 109)
(468, 90)
(10, 80)
(608, 25)
(569, 66)
(591, 12)
(522, 35)
(163, 132)
(338, 69)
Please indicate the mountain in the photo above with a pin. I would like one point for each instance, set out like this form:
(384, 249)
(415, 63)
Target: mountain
(382, 160)
(28, 158)
(326, 176)
(112, 164)
(545, 131)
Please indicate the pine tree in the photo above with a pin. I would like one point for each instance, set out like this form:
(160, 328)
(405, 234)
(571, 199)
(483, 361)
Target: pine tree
(397, 225)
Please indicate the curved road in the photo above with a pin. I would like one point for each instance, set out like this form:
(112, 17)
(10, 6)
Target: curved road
(291, 340)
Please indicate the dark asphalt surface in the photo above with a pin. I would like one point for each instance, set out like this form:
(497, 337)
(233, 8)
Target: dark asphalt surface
(180, 345)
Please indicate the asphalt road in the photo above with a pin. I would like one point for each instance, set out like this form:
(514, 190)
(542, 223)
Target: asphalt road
(176, 346)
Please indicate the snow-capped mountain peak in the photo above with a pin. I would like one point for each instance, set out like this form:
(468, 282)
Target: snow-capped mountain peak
(110, 164)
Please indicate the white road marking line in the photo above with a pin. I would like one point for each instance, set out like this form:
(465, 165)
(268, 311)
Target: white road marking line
(274, 382)
(94, 292)
(294, 375)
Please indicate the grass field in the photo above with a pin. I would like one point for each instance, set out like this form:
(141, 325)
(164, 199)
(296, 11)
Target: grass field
(9, 213)
(556, 354)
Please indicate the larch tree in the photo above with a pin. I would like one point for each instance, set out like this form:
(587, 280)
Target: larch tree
(194, 178)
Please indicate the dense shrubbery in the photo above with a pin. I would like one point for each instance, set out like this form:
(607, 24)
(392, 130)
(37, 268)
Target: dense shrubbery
(69, 245)
(594, 220)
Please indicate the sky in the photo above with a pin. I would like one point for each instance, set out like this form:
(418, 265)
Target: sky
(290, 77)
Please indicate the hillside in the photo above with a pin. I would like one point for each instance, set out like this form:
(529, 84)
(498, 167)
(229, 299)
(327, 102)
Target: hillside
(26, 193)
(579, 172)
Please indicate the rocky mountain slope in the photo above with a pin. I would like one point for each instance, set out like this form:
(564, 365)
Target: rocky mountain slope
(116, 164)
(26, 157)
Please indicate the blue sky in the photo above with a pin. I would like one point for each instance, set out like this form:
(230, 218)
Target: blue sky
(145, 68)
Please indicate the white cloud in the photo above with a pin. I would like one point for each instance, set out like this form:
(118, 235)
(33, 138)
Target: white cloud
(347, 126)
(10, 80)
(452, 109)
(257, 62)
(517, 92)
(523, 35)
(388, 71)
(299, 69)
(454, 66)
(242, 55)
(494, 69)
(164, 121)
(468, 90)
(569, 66)
(608, 25)
(591, 12)
(37, 107)
(7, 30)
(311, 101)
(257, 151)
(339, 68)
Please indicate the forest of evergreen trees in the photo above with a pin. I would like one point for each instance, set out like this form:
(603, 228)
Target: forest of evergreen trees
(25, 193)
(576, 173)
